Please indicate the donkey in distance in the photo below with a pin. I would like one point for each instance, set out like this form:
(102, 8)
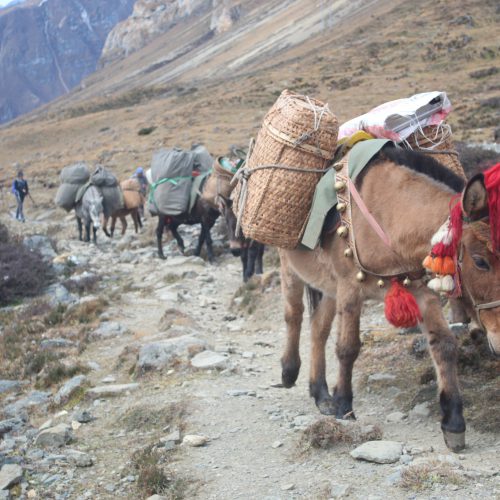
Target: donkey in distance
(88, 211)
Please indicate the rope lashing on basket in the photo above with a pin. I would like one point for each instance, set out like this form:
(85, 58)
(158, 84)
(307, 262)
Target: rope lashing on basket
(244, 174)
(319, 112)
(441, 135)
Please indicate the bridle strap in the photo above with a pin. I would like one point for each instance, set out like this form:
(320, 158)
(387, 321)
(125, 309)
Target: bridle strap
(488, 305)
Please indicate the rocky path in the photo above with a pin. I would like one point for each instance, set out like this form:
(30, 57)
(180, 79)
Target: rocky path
(185, 379)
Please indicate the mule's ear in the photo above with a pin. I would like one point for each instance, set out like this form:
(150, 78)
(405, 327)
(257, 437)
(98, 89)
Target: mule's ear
(475, 198)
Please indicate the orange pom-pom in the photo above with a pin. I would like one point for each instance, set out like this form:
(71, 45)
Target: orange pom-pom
(427, 263)
(448, 266)
(437, 265)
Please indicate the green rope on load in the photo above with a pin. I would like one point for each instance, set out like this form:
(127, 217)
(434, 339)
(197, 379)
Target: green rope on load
(172, 180)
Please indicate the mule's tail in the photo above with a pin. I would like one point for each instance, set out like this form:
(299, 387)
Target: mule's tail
(313, 299)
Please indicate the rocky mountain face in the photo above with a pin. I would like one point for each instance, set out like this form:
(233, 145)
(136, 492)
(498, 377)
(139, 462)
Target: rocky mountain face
(48, 46)
(151, 18)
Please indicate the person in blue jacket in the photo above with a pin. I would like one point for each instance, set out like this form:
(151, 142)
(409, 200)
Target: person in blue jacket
(20, 190)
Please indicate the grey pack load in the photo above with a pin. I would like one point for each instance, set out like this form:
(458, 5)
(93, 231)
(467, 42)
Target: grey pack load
(203, 160)
(73, 177)
(171, 173)
(107, 183)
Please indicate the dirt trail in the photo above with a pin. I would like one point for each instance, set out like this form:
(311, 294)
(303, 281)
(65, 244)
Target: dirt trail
(254, 428)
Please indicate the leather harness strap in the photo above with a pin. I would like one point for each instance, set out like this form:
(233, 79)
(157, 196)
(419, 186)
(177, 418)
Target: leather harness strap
(344, 197)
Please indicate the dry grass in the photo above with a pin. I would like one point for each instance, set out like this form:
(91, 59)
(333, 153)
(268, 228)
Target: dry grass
(424, 476)
(23, 273)
(153, 475)
(147, 418)
(328, 433)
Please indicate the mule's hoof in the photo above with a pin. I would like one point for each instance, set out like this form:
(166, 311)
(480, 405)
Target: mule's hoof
(326, 406)
(289, 376)
(455, 441)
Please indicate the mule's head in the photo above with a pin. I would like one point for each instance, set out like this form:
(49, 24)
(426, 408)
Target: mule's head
(95, 208)
(225, 206)
(480, 267)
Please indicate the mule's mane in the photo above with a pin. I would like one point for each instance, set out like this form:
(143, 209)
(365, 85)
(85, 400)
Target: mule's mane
(423, 164)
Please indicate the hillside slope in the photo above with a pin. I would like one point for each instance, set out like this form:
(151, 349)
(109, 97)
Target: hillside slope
(47, 47)
(194, 85)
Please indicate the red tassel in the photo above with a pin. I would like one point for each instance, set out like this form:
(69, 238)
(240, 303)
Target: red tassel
(401, 308)
(456, 224)
(492, 184)
(442, 250)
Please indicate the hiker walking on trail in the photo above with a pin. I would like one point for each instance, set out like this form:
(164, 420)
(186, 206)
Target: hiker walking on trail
(141, 177)
(20, 190)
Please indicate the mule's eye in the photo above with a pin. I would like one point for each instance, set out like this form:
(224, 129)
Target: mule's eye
(480, 263)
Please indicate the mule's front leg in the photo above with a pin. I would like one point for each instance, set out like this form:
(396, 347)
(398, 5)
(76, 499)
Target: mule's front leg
(321, 324)
(80, 228)
(87, 231)
(443, 347)
(210, 247)
(292, 288)
(348, 346)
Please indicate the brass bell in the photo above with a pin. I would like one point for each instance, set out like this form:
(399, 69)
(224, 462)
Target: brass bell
(361, 276)
(341, 207)
(347, 252)
(380, 283)
(342, 231)
(338, 167)
(339, 186)
(407, 282)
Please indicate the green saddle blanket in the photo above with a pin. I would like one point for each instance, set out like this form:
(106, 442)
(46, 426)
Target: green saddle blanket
(325, 196)
(196, 189)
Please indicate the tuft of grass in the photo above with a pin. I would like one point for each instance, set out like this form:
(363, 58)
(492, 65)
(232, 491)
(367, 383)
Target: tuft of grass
(88, 312)
(327, 433)
(153, 476)
(56, 372)
(146, 130)
(420, 477)
(154, 418)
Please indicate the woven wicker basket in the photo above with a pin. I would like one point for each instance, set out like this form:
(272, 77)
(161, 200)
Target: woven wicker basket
(437, 142)
(297, 133)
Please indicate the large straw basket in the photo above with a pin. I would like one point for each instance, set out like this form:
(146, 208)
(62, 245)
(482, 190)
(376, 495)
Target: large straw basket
(436, 141)
(295, 144)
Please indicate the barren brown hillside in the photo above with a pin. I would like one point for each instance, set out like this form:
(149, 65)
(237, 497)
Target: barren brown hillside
(216, 89)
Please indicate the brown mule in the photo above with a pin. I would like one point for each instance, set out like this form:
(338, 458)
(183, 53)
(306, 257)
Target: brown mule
(213, 198)
(122, 214)
(409, 196)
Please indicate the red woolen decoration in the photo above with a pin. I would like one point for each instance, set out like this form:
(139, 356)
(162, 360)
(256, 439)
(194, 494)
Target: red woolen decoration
(456, 224)
(401, 308)
(492, 184)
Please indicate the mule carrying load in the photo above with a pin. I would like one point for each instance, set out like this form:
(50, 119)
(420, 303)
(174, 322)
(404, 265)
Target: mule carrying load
(171, 176)
(399, 226)
(108, 185)
(73, 177)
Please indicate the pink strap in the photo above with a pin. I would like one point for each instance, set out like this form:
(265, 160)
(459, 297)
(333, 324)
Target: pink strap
(368, 216)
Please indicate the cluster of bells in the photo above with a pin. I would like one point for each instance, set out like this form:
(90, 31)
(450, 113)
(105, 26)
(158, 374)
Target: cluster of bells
(342, 232)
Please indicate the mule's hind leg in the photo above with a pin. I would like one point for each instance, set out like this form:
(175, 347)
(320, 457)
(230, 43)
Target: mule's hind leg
(292, 288)
(323, 312)
(180, 242)
(123, 221)
(159, 235)
(443, 347)
(348, 347)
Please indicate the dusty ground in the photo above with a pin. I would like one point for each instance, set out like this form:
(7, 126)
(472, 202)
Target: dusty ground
(255, 430)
